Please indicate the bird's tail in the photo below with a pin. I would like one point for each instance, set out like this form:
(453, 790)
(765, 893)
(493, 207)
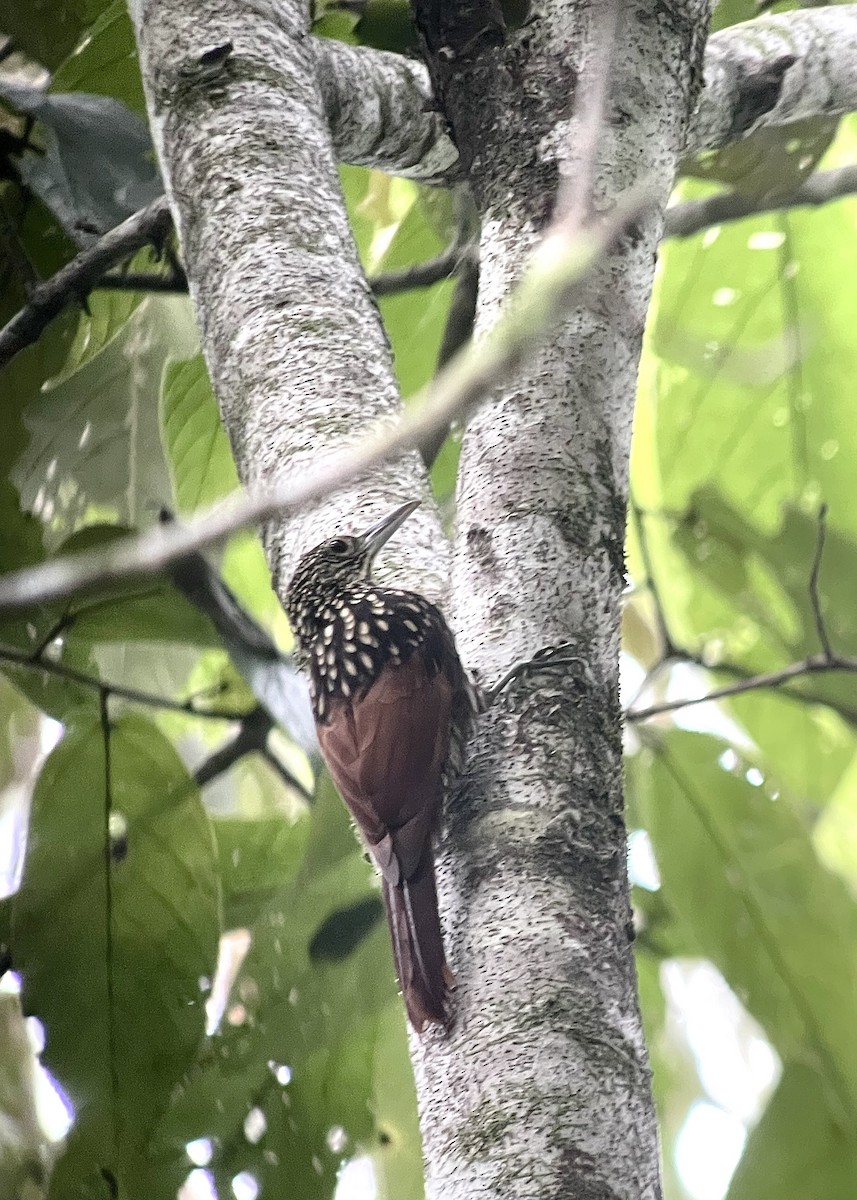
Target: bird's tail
(424, 977)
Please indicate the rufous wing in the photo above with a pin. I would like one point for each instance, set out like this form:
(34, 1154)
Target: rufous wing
(386, 751)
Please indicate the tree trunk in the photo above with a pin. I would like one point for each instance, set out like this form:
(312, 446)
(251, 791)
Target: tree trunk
(543, 1087)
(290, 331)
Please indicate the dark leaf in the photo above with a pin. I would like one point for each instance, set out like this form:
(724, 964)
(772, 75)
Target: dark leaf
(802, 1146)
(340, 933)
(98, 164)
(112, 965)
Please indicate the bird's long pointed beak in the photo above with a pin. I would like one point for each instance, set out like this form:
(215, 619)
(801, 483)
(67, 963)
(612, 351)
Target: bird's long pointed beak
(379, 533)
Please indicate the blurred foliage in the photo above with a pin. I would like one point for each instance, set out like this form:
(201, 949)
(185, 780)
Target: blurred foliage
(210, 970)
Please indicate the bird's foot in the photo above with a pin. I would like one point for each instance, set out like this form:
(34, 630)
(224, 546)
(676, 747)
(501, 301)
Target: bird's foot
(545, 661)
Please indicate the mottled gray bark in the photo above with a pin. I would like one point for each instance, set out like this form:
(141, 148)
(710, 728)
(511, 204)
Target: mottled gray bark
(382, 112)
(543, 1088)
(762, 73)
(290, 331)
(774, 70)
(822, 187)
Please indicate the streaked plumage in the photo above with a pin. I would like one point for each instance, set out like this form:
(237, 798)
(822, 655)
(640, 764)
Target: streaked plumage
(392, 706)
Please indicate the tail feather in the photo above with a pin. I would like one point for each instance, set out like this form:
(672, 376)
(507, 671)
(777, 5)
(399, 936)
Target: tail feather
(424, 977)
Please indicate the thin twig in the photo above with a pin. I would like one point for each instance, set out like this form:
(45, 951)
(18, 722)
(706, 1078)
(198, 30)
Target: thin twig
(423, 274)
(685, 220)
(669, 646)
(29, 663)
(815, 664)
(251, 738)
(460, 323)
(77, 278)
(559, 268)
(575, 193)
(59, 626)
(109, 961)
(279, 768)
(814, 598)
(227, 756)
(142, 281)
(811, 665)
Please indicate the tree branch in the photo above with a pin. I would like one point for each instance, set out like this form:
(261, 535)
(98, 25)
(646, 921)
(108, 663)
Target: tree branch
(559, 269)
(815, 664)
(765, 72)
(774, 70)
(383, 114)
(684, 220)
(39, 663)
(424, 274)
(535, 840)
(77, 278)
(251, 738)
(88, 272)
(142, 281)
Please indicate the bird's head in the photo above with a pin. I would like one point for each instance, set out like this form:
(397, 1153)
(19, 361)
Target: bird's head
(335, 565)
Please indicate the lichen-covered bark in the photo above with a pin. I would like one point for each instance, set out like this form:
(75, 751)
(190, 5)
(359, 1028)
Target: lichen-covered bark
(382, 113)
(774, 70)
(543, 1088)
(762, 73)
(290, 331)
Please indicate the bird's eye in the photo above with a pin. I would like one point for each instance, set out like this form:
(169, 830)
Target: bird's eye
(339, 548)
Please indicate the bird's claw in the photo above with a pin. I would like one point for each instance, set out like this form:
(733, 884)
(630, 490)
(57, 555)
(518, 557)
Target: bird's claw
(549, 658)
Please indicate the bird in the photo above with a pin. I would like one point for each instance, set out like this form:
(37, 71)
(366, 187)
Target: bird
(393, 707)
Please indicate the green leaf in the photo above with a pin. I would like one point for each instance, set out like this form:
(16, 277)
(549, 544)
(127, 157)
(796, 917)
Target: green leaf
(20, 383)
(94, 447)
(801, 1147)
(105, 62)
(47, 30)
(200, 457)
(397, 1151)
(325, 998)
(303, 1037)
(111, 958)
(739, 870)
(158, 613)
(444, 470)
(106, 315)
(258, 856)
(203, 471)
(21, 1137)
(751, 598)
(415, 320)
(807, 747)
(746, 382)
(55, 695)
(342, 932)
(311, 1125)
(332, 839)
(730, 12)
(396, 223)
(835, 832)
